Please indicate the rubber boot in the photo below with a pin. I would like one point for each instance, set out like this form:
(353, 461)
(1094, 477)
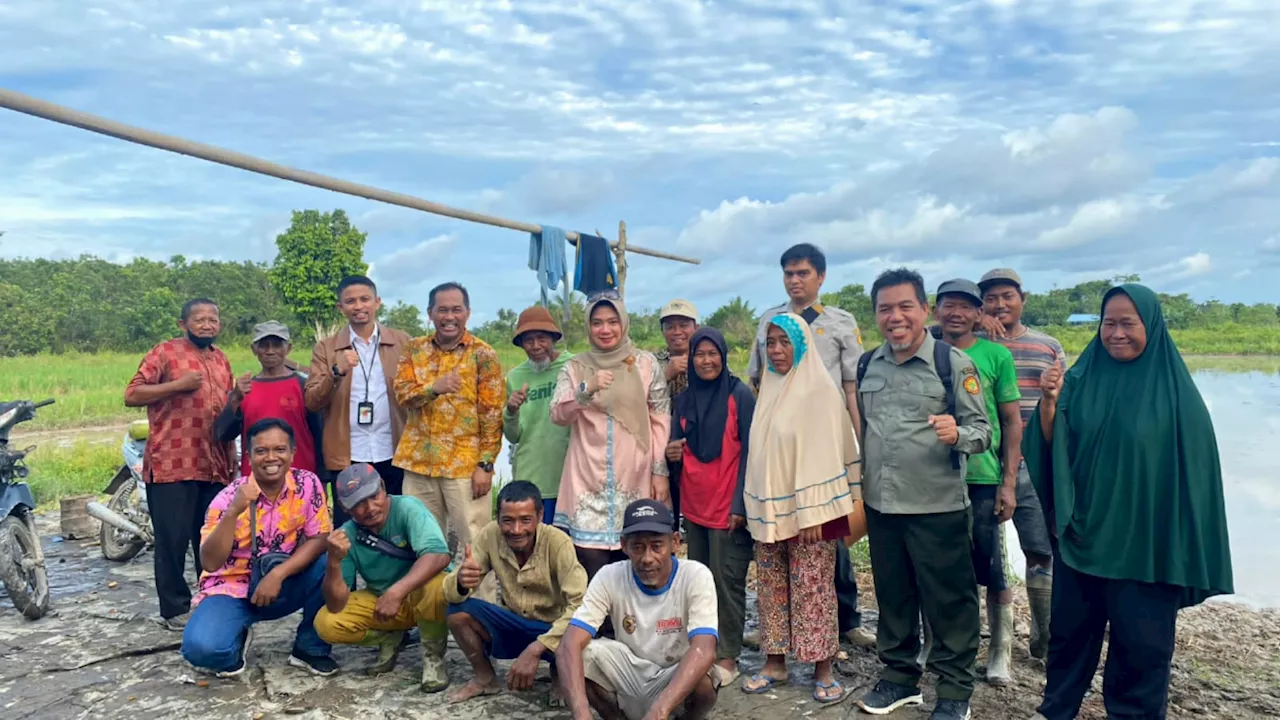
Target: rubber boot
(435, 638)
(923, 658)
(1040, 597)
(1000, 620)
(388, 644)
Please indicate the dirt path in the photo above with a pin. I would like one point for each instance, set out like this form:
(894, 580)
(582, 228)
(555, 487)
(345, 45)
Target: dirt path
(101, 654)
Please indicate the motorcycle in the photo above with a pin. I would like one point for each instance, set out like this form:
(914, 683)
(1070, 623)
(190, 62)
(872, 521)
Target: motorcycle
(126, 518)
(22, 568)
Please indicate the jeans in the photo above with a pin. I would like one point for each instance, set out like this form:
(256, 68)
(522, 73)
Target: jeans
(214, 638)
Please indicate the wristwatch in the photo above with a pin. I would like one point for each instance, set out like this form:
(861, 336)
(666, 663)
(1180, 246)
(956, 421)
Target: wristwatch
(335, 371)
(485, 466)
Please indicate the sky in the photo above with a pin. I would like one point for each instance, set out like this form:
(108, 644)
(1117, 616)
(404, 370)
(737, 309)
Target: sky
(1069, 139)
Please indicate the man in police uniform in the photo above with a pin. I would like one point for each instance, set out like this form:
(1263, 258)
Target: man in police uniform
(839, 344)
(917, 502)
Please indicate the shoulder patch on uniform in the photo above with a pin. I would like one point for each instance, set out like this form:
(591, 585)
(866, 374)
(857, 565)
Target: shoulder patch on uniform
(857, 334)
(971, 385)
(819, 331)
(969, 370)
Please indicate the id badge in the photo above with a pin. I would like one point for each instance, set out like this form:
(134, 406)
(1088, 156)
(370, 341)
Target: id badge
(364, 413)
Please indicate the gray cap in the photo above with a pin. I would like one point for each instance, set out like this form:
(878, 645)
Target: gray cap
(271, 328)
(356, 484)
(999, 276)
(960, 286)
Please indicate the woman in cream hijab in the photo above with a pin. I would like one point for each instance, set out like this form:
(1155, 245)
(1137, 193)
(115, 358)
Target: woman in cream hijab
(614, 400)
(800, 486)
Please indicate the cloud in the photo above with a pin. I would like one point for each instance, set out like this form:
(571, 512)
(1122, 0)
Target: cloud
(1070, 138)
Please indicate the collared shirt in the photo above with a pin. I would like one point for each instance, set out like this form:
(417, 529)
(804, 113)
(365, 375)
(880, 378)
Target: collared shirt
(409, 525)
(299, 513)
(181, 443)
(836, 334)
(677, 384)
(906, 469)
(446, 436)
(370, 443)
(547, 588)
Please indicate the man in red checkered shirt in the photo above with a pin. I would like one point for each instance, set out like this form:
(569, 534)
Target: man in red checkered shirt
(183, 383)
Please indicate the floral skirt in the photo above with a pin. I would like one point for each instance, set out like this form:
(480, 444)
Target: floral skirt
(796, 599)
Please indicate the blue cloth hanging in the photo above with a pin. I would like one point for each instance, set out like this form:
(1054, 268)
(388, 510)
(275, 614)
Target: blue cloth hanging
(547, 258)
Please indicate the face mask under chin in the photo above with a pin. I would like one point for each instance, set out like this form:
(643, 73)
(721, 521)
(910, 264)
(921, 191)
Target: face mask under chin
(201, 342)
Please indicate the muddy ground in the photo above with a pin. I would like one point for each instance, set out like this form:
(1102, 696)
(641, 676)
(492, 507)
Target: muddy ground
(102, 654)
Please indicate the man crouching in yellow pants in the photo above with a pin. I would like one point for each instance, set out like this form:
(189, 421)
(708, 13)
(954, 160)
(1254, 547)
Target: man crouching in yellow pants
(394, 543)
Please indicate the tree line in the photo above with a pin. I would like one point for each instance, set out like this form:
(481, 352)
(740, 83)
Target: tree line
(89, 304)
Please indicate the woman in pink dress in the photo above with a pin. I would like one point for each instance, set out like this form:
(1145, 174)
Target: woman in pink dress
(614, 400)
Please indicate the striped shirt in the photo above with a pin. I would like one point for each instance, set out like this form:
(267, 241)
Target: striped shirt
(1033, 353)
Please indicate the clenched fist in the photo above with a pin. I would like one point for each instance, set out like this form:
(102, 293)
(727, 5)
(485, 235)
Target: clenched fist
(190, 381)
(469, 573)
(347, 360)
(600, 381)
(338, 545)
(1051, 382)
(517, 399)
(448, 384)
(244, 384)
(246, 494)
(945, 427)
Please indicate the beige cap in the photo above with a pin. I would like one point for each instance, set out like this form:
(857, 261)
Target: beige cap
(679, 308)
(1000, 276)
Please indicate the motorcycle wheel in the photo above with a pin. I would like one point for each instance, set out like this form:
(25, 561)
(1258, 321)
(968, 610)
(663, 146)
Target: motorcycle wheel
(26, 583)
(119, 545)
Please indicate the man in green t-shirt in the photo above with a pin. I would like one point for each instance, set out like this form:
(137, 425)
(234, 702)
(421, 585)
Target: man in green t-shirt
(538, 445)
(396, 546)
(992, 476)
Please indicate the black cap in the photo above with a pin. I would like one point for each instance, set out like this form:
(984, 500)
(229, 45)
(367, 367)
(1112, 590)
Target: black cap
(963, 287)
(648, 516)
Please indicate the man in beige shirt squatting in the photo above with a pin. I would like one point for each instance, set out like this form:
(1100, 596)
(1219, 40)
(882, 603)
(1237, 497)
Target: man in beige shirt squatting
(542, 586)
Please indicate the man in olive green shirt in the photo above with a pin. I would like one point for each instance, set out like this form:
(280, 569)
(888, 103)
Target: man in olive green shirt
(918, 514)
(542, 586)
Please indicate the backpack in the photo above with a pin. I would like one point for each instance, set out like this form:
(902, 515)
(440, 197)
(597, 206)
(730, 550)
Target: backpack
(941, 364)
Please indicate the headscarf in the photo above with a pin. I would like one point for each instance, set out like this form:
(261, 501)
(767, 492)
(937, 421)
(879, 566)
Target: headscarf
(1131, 481)
(627, 399)
(704, 405)
(800, 463)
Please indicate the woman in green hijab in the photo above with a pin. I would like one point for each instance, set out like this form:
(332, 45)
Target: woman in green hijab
(1123, 455)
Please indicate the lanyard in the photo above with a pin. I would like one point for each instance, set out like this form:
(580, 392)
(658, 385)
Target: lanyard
(373, 358)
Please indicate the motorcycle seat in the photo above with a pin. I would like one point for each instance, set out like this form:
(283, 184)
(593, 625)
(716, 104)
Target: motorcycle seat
(138, 430)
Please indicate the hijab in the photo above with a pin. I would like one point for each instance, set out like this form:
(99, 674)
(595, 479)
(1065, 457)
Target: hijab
(800, 463)
(704, 405)
(1131, 481)
(627, 399)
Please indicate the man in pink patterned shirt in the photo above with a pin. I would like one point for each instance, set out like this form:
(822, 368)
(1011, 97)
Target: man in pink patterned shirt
(249, 579)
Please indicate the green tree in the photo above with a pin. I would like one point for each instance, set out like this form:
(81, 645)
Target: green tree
(853, 299)
(28, 325)
(314, 254)
(737, 320)
(500, 330)
(403, 317)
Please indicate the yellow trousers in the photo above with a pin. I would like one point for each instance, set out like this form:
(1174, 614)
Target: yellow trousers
(424, 609)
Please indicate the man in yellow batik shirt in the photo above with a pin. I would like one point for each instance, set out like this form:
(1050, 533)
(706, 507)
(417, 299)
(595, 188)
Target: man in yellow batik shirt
(452, 386)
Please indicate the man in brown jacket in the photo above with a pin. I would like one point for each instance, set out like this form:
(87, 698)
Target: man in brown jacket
(351, 384)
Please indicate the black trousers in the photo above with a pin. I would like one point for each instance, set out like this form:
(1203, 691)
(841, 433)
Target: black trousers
(1135, 683)
(392, 477)
(846, 591)
(924, 562)
(177, 514)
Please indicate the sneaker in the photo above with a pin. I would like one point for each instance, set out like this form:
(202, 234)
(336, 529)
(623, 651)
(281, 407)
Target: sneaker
(244, 658)
(177, 623)
(861, 637)
(321, 665)
(951, 710)
(886, 697)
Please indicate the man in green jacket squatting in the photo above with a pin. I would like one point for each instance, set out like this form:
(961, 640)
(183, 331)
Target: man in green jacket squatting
(539, 444)
(395, 545)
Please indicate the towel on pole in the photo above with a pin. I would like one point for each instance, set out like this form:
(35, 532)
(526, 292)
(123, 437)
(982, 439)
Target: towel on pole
(547, 258)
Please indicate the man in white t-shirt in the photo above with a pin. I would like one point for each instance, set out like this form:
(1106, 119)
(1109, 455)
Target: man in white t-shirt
(664, 615)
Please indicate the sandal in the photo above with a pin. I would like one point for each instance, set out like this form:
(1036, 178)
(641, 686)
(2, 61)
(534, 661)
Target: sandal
(769, 684)
(827, 698)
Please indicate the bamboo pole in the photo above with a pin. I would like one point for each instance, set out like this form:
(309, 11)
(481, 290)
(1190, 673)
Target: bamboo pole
(28, 105)
(620, 252)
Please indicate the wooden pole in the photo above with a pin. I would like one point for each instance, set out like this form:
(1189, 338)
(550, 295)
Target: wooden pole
(620, 252)
(28, 105)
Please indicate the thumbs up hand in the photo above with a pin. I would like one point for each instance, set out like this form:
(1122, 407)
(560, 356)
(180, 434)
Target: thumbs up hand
(517, 399)
(470, 574)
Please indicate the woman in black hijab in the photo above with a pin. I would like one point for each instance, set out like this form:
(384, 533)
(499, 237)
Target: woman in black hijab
(710, 432)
